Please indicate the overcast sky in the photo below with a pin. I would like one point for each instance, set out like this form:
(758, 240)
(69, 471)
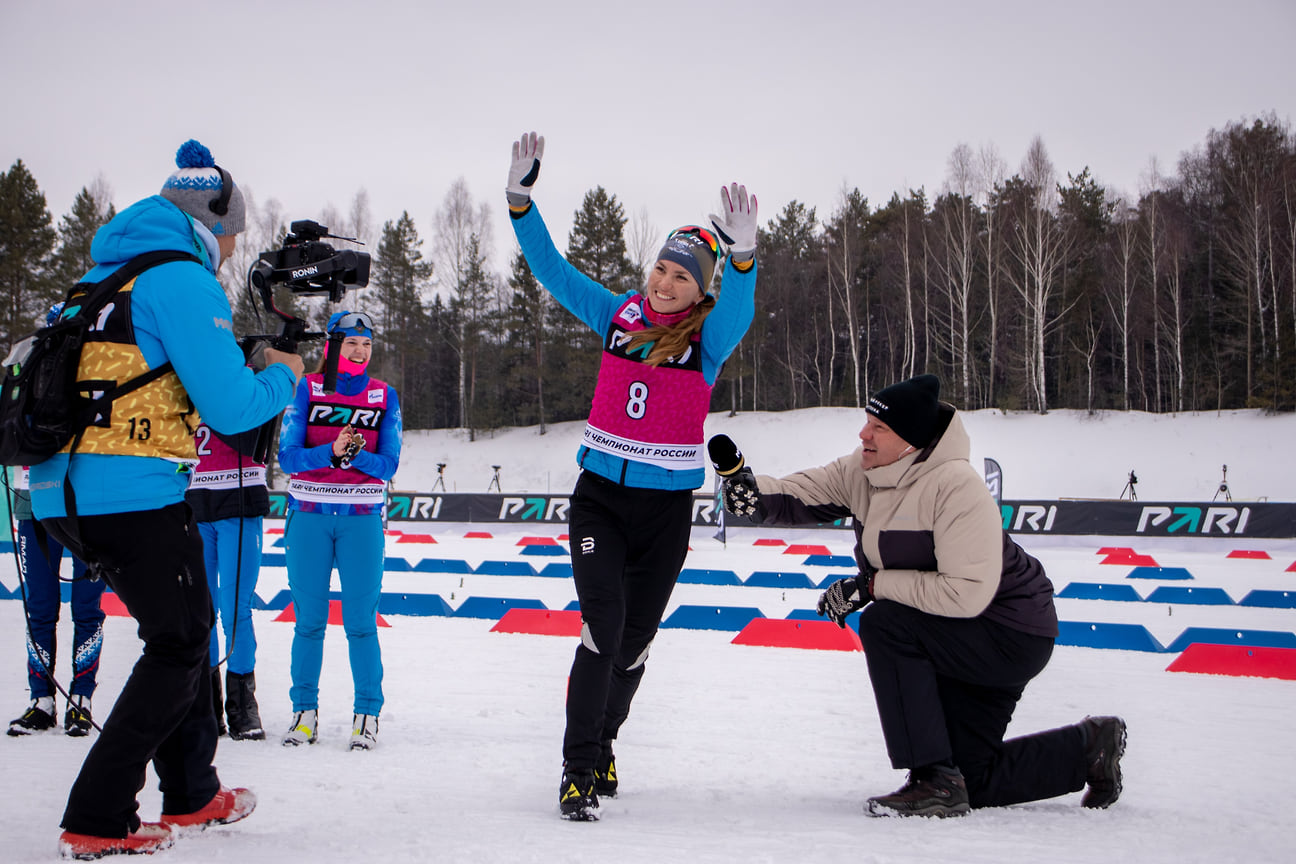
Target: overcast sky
(659, 102)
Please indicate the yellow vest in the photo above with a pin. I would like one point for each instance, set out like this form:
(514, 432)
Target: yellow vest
(156, 420)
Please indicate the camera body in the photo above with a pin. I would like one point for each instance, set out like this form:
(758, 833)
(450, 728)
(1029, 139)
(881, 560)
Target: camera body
(308, 265)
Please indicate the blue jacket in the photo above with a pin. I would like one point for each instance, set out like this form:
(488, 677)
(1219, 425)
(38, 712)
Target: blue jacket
(295, 457)
(595, 305)
(180, 313)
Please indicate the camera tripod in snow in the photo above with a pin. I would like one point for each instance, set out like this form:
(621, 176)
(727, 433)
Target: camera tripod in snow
(494, 484)
(1129, 488)
(1223, 488)
(440, 481)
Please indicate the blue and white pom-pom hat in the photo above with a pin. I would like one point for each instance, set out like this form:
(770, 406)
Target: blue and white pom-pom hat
(205, 191)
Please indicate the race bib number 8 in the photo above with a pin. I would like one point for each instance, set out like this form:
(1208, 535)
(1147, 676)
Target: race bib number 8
(637, 405)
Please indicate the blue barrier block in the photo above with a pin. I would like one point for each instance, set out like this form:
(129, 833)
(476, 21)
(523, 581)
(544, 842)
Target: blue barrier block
(1194, 596)
(1159, 573)
(573, 606)
(770, 579)
(829, 561)
(835, 577)
(852, 620)
(494, 607)
(1127, 637)
(556, 570)
(6, 594)
(280, 543)
(413, 604)
(732, 618)
(393, 564)
(442, 565)
(274, 559)
(1270, 599)
(1222, 636)
(277, 602)
(543, 550)
(1098, 591)
(505, 568)
(708, 577)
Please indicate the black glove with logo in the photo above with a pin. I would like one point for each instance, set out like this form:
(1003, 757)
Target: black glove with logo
(738, 487)
(741, 496)
(846, 596)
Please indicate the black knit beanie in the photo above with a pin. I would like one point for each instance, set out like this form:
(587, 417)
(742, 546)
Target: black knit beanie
(909, 408)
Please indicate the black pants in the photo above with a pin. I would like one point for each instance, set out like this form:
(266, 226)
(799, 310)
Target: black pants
(627, 548)
(946, 689)
(153, 560)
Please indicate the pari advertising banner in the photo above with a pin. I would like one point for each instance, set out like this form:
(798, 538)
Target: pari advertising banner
(1117, 518)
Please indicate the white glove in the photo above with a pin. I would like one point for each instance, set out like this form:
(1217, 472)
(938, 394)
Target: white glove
(737, 224)
(525, 168)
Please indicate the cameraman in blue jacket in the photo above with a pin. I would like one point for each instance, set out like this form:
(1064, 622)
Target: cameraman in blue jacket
(129, 475)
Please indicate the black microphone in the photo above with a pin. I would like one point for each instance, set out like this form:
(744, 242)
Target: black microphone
(726, 458)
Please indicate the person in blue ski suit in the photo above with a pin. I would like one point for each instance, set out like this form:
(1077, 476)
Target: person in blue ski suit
(130, 473)
(340, 449)
(642, 454)
(42, 586)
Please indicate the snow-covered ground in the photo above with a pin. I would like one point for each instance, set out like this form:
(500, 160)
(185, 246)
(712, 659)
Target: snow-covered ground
(737, 753)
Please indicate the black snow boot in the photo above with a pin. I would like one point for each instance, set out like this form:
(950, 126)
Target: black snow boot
(605, 776)
(241, 707)
(218, 704)
(928, 792)
(577, 799)
(1104, 747)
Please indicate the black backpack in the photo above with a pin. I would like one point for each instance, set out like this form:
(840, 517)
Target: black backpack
(41, 408)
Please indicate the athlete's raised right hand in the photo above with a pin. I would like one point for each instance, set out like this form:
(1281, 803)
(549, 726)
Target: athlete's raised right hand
(525, 168)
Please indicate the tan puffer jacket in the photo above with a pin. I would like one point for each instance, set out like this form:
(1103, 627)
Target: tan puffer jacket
(930, 528)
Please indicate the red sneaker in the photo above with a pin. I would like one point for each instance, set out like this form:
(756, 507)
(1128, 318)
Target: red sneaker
(150, 837)
(229, 805)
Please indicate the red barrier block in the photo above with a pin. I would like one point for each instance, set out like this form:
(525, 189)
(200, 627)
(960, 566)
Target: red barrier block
(1291, 569)
(798, 633)
(541, 622)
(274, 530)
(537, 541)
(770, 541)
(1237, 660)
(806, 549)
(1130, 559)
(335, 614)
(480, 535)
(111, 604)
(1255, 554)
(1116, 550)
(416, 538)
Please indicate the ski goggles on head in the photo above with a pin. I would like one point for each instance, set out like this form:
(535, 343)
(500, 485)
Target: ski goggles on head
(360, 322)
(704, 234)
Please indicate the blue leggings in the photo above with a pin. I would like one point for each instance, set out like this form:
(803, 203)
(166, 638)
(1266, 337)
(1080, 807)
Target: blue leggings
(221, 557)
(316, 542)
(44, 596)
